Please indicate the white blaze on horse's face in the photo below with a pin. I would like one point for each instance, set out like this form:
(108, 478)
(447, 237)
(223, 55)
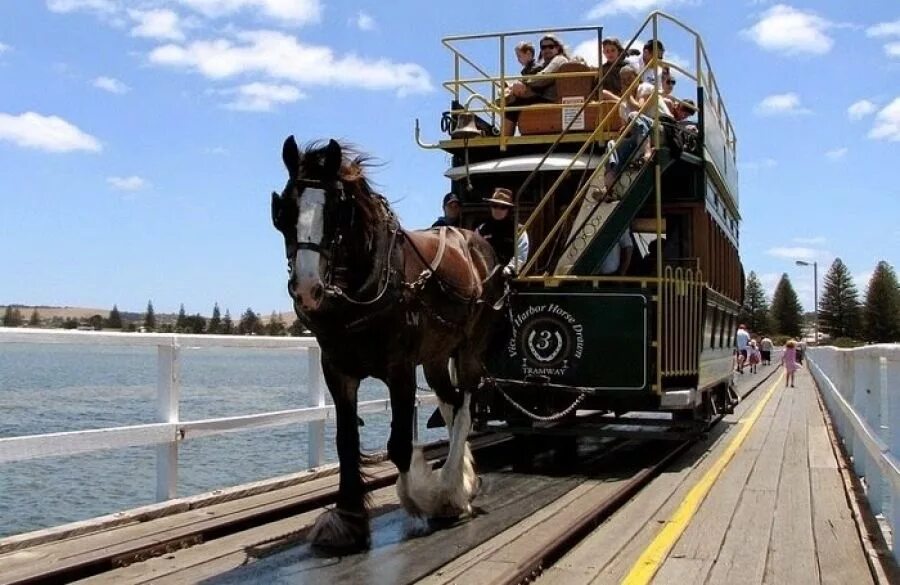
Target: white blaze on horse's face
(307, 277)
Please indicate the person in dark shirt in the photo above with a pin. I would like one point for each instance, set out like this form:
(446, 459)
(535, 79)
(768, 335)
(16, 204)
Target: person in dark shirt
(452, 208)
(498, 230)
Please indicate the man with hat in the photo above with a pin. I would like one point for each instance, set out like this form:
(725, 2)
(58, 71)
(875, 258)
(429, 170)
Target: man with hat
(500, 233)
(451, 212)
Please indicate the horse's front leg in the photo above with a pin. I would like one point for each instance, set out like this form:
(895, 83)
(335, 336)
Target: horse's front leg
(347, 525)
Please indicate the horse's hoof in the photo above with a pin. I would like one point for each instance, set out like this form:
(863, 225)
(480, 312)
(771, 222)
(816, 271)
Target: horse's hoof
(340, 530)
(476, 490)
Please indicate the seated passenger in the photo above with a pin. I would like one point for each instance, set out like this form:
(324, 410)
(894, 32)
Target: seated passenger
(499, 232)
(648, 76)
(619, 258)
(525, 57)
(668, 85)
(537, 90)
(683, 112)
(614, 60)
(451, 212)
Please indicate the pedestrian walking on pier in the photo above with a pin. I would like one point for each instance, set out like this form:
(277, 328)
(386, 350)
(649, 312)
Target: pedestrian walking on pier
(765, 350)
(789, 359)
(743, 341)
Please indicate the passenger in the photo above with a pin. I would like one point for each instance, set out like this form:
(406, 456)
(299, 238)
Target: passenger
(648, 75)
(743, 342)
(499, 232)
(754, 357)
(765, 349)
(789, 359)
(683, 111)
(619, 258)
(668, 86)
(525, 57)
(537, 90)
(801, 350)
(614, 55)
(452, 210)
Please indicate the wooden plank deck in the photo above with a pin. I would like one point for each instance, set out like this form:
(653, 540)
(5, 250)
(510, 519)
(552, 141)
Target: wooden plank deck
(778, 513)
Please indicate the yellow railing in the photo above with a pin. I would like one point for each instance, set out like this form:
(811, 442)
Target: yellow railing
(681, 303)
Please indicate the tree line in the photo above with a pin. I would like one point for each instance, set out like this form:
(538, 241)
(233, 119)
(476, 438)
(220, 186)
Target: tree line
(842, 315)
(250, 322)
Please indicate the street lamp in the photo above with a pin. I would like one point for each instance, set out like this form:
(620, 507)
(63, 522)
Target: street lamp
(815, 266)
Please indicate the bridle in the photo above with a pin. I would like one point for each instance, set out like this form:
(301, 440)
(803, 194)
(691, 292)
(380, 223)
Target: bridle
(332, 249)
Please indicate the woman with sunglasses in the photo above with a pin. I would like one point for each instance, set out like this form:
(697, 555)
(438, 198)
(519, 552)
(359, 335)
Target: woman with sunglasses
(538, 89)
(499, 232)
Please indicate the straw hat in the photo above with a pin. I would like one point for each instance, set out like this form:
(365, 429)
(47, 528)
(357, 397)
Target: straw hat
(501, 196)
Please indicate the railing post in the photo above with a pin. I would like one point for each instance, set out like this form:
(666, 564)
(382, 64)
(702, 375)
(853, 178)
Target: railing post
(167, 400)
(315, 384)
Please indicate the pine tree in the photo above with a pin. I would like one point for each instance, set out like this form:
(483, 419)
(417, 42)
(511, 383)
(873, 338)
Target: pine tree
(35, 319)
(215, 322)
(786, 309)
(12, 317)
(150, 317)
(839, 307)
(275, 325)
(179, 322)
(114, 321)
(882, 309)
(227, 324)
(755, 311)
(250, 323)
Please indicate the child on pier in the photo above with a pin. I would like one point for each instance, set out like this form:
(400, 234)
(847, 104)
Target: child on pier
(789, 359)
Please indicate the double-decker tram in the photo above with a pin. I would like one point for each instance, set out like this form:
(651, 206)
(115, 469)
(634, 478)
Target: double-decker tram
(627, 193)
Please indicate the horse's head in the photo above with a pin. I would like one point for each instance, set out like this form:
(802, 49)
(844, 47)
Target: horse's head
(307, 215)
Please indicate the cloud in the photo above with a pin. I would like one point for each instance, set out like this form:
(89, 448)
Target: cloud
(811, 241)
(364, 22)
(861, 109)
(892, 49)
(100, 6)
(783, 104)
(262, 97)
(111, 85)
(216, 150)
(794, 253)
(281, 57)
(884, 29)
(132, 183)
(48, 133)
(632, 7)
(836, 153)
(791, 31)
(753, 165)
(156, 24)
(294, 12)
(887, 123)
(4, 48)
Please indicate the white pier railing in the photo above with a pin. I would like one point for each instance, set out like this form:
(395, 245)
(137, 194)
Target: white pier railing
(170, 430)
(861, 389)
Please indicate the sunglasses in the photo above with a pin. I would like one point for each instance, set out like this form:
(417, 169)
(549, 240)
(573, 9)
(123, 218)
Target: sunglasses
(548, 47)
(670, 82)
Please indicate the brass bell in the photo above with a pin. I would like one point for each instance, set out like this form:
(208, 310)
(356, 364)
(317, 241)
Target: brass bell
(465, 127)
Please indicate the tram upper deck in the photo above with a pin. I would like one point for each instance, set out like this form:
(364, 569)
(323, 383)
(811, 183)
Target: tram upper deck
(579, 117)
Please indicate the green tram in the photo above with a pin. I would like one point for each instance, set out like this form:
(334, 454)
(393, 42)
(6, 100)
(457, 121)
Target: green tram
(658, 338)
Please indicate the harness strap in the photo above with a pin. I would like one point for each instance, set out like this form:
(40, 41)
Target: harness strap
(442, 246)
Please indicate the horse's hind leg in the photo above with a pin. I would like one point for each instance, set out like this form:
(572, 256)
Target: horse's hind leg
(347, 525)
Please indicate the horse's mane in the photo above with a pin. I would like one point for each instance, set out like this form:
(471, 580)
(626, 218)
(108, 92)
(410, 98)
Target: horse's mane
(353, 175)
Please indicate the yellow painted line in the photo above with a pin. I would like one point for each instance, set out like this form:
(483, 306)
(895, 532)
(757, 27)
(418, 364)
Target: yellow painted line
(648, 564)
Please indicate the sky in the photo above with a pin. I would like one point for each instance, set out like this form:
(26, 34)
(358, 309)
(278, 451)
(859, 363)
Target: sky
(140, 140)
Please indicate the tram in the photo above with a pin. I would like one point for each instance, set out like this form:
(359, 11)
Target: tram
(658, 335)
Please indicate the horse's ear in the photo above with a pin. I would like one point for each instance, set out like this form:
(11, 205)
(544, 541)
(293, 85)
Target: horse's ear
(290, 154)
(333, 159)
(276, 208)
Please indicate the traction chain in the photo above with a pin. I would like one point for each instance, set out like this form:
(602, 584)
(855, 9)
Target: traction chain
(553, 417)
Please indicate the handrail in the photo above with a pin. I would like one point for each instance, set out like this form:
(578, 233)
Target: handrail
(856, 387)
(170, 431)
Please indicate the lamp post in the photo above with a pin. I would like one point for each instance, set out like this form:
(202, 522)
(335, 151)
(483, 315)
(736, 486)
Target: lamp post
(815, 266)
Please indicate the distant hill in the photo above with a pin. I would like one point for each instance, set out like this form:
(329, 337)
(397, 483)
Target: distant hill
(47, 312)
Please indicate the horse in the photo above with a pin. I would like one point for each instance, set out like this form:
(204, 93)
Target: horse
(381, 300)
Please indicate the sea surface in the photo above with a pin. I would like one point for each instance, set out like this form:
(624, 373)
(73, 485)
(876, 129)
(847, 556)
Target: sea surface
(47, 388)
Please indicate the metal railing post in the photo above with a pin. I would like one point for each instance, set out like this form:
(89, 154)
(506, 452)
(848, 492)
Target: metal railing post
(167, 401)
(316, 386)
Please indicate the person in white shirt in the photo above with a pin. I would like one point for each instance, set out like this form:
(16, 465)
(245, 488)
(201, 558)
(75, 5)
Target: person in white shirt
(640, 61)
(765, 348)
(743, 341)
(618, 259)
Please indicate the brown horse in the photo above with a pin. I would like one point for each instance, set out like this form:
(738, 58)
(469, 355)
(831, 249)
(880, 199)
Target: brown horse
(381, 300)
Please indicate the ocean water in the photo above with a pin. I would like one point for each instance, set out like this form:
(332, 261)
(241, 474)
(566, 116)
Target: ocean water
(46, 388)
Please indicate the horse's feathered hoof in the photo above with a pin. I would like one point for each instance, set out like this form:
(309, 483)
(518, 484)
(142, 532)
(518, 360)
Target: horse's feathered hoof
(340, 530)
